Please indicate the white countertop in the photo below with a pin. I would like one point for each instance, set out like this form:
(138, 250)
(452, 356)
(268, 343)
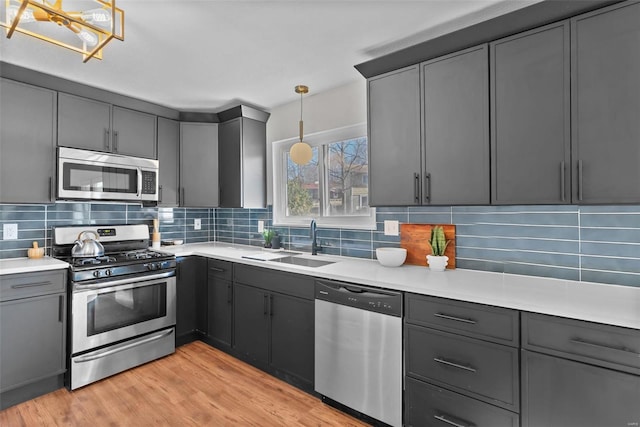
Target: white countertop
(595, 302)
(27, 265)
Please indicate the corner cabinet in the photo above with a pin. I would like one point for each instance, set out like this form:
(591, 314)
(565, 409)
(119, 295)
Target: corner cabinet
(169, 162)
(199, 165)
(606, 105)
(191, 295)
(33, 327)
(94, 125)
(530, 143)
(273, 322)
(220, 303)
(27, 143)
(394, 138)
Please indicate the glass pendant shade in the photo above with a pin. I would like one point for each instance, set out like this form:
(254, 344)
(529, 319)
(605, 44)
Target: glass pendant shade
(84, 26)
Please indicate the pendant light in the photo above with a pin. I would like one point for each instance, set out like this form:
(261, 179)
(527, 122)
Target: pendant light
(301, 152)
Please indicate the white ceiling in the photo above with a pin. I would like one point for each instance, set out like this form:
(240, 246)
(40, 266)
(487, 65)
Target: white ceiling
(208, 55)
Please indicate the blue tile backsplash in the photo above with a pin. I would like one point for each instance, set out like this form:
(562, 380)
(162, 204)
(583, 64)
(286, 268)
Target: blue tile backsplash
(588, 243)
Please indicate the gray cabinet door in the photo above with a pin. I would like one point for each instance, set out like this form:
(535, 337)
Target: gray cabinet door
(394, 138)
(199, 164)
(27, 143)
(562, 393)
(530, 141)
(169, 160)
(32, 340)
(133, 133)
(84, 123)
(606, 105)
(251, 323)
(455, 128)
(230, 164)
(220, 310)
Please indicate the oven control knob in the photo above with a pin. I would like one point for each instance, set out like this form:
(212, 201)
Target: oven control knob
(107, 272)
(96, 273)
(152, 266)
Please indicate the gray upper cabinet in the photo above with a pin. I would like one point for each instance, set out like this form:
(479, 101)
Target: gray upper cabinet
(530, 108)
(94, 125)
(27, 143)
(606, 105)
(169, 160)
(199, 164)
(394, 138)
(242, 169)
(455, 128)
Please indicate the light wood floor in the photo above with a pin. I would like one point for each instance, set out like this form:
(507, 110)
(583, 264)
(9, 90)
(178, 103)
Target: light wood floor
(196, 386)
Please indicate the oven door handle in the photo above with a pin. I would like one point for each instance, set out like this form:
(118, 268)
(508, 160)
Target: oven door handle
(101, 354)
(111, 283)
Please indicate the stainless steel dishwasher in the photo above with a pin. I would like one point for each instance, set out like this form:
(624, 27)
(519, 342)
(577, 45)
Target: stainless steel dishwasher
(358, 349)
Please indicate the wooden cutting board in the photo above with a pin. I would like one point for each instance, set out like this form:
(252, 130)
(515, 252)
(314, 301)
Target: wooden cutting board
(414, 238)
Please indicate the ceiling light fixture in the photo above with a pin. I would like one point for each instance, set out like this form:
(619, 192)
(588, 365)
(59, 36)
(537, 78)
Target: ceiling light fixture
(301, 152)
(86, 30)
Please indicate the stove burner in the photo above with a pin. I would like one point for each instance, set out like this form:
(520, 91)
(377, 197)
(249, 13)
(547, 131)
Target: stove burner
(145, 254)
(94, 261)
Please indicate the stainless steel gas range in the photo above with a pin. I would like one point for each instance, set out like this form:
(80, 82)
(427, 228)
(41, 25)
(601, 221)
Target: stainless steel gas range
(122, 302)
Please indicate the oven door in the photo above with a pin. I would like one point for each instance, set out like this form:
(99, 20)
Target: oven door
(112, 311)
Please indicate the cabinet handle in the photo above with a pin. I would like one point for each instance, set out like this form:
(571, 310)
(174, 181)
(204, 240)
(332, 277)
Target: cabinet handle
(30, 285)
(115, 141)
(159, 193)
(217, 270)
(60, 308)
(455, 365)
(447, 419)
(596, 345)
(182, 201)
(416, 188)
(106, 139)
(264, 303)
(580, 167)
(271, 305)
(229, 294)
(427, 187)
(50, 188)
(454, 318)
(562, 192)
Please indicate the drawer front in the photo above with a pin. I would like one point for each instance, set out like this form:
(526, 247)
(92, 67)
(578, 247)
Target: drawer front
(609, 346)
(483, 370)
(220, 269)
(431, 406)
(278, 281)
(475, 320)
(16, 286)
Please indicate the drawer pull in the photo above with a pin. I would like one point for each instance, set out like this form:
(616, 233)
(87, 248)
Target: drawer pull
(606, 347)
(456, 319)
(30, 285)
(217, 270)
(448, 419)
(455, 365)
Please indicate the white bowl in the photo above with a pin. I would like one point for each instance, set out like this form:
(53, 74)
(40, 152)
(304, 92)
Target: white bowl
(391, 257)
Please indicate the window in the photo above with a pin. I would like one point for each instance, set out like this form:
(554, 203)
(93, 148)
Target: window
(333, 188)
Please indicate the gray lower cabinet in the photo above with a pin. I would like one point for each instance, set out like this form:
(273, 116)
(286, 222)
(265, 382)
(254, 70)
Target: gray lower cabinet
(220, 302)
(27, 143)
(169, 161)
(273, 322)
(94, 125)
(394, 138)
(199, 164)
(191, 295)
(530, 109)
(461, 363)
(455, 128)
(577, 373)
(606, 105)
(33, 326)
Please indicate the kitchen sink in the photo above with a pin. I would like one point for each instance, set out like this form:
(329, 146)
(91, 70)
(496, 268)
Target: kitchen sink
(305, 262)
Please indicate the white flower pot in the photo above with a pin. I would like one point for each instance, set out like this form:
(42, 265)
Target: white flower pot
(437, 263)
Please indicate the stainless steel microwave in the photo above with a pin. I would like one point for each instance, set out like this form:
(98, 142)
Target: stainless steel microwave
(91, 175)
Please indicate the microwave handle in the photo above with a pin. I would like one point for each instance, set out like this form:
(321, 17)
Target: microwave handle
(139, 182)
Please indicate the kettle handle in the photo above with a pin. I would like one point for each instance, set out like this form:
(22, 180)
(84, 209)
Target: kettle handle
(83, 234)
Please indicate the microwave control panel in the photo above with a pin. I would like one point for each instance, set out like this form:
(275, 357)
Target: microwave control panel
(148, 182)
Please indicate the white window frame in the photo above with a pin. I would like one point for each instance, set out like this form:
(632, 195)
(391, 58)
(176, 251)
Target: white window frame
(281, 148)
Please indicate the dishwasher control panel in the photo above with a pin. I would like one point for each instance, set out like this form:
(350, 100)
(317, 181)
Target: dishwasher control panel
(365, 298)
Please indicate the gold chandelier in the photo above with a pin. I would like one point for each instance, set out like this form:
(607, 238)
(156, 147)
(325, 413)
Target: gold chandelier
(301, 152)
(86, 30)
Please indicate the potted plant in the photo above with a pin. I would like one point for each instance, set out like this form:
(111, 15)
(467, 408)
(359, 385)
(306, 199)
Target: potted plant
(437, 260)
(268, 234)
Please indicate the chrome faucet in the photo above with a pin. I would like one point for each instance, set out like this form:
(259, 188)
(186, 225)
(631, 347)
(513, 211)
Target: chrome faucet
(313, 233)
